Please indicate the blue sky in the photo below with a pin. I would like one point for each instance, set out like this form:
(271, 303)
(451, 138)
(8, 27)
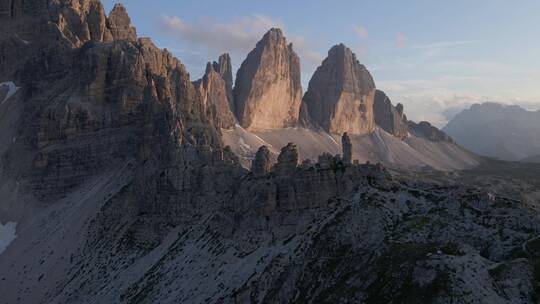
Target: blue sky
(435, 57)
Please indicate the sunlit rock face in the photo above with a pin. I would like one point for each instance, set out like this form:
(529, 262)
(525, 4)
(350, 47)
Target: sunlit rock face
(224, 67)
(215, 92)
(119, 24)
(267, 90)
(340, 95)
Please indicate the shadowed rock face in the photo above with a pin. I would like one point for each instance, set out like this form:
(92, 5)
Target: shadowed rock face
(91, 104)
(224, 67)
(29, 26)
(347, 148)
(287, 160)
(390, 118)
(262, 164)
(268, 92)
(215, 93)
(425, 130)
(340, 94)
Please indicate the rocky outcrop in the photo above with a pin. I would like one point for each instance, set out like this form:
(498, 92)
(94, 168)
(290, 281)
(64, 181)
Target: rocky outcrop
(216, 96)
(262, 163)
(340, 94)
(92, 104)
(119, 24)
(425, 130)
(30, 26)
(347, 148)
(287, 160)
(268, 92)
(390, 118)
(224, 67)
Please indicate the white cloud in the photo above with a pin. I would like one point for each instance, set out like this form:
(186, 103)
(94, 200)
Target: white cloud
(238, 35)
(205, 39)
(361, 32)
(445, 44)
(437, 100)
(401, 41)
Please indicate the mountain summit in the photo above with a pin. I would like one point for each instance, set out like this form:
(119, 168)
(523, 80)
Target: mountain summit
(267, 91)
(340, 94)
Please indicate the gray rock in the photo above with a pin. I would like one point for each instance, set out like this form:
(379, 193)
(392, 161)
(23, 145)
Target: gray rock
(340, 94)
(262, 163)
(347, 148)
(425, 130)
(216, 97)
(390, 118)
(287, 160)
(224, 67)
(119, 24)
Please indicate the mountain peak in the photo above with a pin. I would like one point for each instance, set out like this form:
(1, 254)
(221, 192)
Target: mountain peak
(340, 94)
(119, 24)
(268, 91)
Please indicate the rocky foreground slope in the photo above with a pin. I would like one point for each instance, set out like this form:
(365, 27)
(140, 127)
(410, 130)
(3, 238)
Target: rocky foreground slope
(112, 165)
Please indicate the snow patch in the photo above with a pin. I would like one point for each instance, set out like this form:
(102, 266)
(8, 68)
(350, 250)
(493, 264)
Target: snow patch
(22, 40)
(12, 89)
(333, 139)
(7, 235)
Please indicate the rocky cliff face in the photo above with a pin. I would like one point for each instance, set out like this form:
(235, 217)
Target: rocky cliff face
(340, 94)
(224, 67)
(425, 130)
(390, 118)
(119, 24)
(346, 146)
(268, 91)
(262, 164)
(92, 104)
(216, 93)
(287, 160)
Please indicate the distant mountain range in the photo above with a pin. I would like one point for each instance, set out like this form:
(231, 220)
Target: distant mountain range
(532, 159)
(495, 130)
